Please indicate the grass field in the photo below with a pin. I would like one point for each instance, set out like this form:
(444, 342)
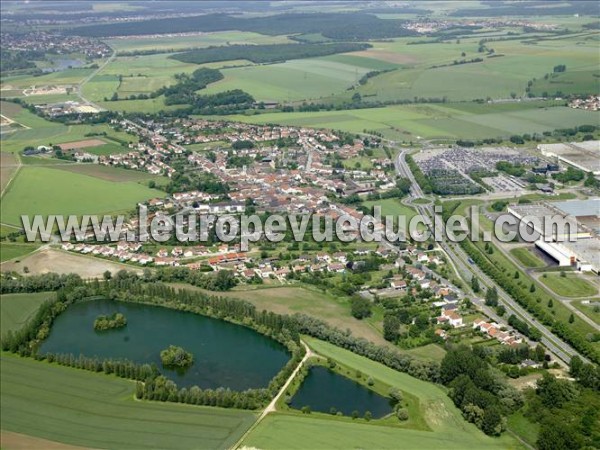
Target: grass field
(298, 299)
(569, 286)
(98, 411)
(115, 174)
(527, 257)
(292, 80)
(194, 41)
(17, 309)
(8, 167)
(450, 430)
(10, 251)
(413, 122)
(592, 311)
(41, 190)
(393, 207)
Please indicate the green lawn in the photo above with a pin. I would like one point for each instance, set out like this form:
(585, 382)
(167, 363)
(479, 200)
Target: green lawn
(41, 190)
(450, 430)
(592, 311)
(17, 309)
(569, 286)
(98, 411)
(527, 257)
(524, 428)
(9, 250)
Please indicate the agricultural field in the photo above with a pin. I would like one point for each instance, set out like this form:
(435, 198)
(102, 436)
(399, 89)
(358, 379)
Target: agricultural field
(449, 429)
(10, 251)
(292, 80)
(569, 286)
(17, 309)
(8, 166)
(43, 190)
(514, 63)
(447, 121)
(33, 403)
(527, 257)
(114, 174)
(200, 40)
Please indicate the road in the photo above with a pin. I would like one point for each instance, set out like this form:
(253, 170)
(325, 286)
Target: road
(457, 255)
(271, 407)
(89, 77)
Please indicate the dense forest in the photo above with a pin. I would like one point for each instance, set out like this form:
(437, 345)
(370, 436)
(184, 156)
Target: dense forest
(339, 26)
(265, 53)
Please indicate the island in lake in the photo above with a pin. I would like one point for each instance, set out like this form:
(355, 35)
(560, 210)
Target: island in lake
(174, 356)
(116, 320)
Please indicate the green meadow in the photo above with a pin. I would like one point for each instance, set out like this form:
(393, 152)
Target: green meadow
(96, 411)
(11, 251)
(569, 285)
(450, 120)
(165, 43)
(17, 309)
(43, 190)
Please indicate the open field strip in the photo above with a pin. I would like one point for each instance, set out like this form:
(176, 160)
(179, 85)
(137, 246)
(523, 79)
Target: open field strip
(17, 309)
(527, 257)
(49, 260)
(412, 122)
(450, 430)
(41, 190)
(590, 310)
(101, 411)
(193, 40)
(569, 286)
(10, 250)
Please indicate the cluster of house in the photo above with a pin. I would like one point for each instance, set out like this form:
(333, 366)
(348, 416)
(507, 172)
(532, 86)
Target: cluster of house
(43, 41)
(428, 25)
(123, 251)
(591, 103)
(494, 330)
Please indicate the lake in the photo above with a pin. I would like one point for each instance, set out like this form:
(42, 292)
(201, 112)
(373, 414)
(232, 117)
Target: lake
(323, 388)
(225, 354)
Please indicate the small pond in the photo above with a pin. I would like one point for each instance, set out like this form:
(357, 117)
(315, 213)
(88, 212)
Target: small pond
(323, 389)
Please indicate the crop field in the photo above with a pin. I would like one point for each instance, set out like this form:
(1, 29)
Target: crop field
(411, 122)
(11, 251)
(101, 411)
(17, 309)
(113, 174)
(165, 43)
(569, 285)
(68, 76)
(292, 80)
(515, 63)
(527, 257)
(41, 190)
(8, 166)
(449, 429)
(43, 132)
(568, 83)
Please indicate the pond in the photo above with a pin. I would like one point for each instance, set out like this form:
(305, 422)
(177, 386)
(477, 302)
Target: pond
(323, 389)
(225, 354)
(63, 64)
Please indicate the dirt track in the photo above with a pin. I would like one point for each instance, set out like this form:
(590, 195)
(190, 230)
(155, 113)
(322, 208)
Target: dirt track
(17, 441)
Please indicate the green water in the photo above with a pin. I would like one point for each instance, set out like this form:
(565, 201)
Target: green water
(225, 354)
(323, 389)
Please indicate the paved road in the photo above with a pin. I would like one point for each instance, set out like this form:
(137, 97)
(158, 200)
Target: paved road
(89, 77)
(457, 255)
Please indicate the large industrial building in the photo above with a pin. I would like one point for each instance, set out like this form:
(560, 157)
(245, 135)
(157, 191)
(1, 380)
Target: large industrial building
(583, 252)
(582, 155)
